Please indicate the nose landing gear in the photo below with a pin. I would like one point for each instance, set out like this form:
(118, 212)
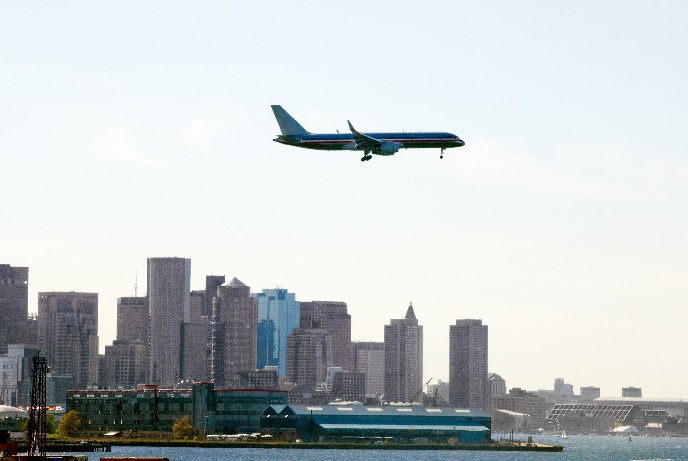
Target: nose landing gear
(442, 153)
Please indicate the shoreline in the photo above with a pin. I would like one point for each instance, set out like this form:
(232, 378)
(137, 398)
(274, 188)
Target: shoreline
(105, 446)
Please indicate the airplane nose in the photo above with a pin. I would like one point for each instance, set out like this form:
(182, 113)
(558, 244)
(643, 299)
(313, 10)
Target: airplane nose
(460, 141)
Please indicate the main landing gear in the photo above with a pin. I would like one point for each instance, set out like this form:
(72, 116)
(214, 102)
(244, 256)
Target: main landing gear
(366, 157)
(442, 153)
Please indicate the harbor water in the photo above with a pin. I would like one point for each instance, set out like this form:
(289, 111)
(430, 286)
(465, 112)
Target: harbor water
(576, 448)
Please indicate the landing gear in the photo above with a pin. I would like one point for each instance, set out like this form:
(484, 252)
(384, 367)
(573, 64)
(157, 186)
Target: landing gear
(366, 157)
(442, 153)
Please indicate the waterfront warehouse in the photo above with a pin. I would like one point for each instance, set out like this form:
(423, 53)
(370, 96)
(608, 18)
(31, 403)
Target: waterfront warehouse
(332, 422)
(149, 409)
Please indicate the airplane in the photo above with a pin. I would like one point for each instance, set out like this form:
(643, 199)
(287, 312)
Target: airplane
(293, 134)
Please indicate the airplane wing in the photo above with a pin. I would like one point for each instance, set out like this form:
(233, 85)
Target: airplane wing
(364, 142)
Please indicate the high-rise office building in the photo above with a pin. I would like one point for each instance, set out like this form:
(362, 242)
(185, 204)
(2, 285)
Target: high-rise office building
(309, 354)
(169, 306)
(125, 364)
(14, 305)
(197, 302)
(333, 317)
(562, 389)
(404, 359)
(16, 373)
(468, 383)
(132, 319)
(211, 284)
(369, 358)
(193, 365)
(68, 335)
(278, 315)
(234, 327)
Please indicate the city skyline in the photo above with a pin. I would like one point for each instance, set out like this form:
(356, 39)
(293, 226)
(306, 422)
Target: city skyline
(181, 268)
(133, 130)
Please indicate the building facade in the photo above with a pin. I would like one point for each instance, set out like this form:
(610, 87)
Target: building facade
(260, 379)
(234, 328)
(497, 384)
(211, 284)
(16, 372)
(126, 364)
(631, 392)
(132, 319)
(333, 317)
(404, 359)
(169, 306)
(348, 386)
(369, 358)
(278, 315)
(521, 401)
(193, 365)
(468, 383)
(152, 409)
(68, 334)
(309, 354)
(589, 393)
(14, 305)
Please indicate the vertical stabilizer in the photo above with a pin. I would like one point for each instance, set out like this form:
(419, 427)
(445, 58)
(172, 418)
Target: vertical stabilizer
(287, 124)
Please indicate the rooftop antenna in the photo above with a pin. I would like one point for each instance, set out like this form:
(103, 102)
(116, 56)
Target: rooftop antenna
(136, 284)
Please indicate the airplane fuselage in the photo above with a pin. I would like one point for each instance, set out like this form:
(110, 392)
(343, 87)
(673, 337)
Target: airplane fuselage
(346, 141)
(293, 134)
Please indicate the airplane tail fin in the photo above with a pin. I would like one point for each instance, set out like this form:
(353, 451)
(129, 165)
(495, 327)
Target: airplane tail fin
(288, 125)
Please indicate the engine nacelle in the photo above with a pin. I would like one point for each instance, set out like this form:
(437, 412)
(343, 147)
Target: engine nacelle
(389, 148)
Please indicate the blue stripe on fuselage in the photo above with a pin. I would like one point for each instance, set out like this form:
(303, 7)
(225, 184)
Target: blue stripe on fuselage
(336, 141)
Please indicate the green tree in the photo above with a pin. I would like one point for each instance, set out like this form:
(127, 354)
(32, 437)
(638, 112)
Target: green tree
(49, 424)
(182, 427)
(69, 425)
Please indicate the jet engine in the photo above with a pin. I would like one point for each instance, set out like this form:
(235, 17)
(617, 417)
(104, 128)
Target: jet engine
(389, 148)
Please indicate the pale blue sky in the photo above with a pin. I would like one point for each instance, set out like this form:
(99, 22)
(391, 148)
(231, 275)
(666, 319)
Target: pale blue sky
(139, 129)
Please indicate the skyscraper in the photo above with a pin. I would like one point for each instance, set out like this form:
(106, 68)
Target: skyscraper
(369, 358)
(278, 315)
(125, 363)
(234, 334)
(468, 383)
(211, 284)
(333, 317)
(68, 334)
(14, 305)
(169, 305)
(404, 359)
(309, 354)
(132, 319)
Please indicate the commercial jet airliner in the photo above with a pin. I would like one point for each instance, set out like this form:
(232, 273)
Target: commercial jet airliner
(293, 134)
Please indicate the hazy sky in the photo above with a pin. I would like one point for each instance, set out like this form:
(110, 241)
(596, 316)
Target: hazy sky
(138, 129)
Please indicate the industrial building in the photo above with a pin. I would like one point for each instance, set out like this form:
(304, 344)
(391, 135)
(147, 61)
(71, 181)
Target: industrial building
(150, 409)
(400, 423)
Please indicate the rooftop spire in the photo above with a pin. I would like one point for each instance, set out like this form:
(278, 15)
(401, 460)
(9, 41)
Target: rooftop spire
(410, 315)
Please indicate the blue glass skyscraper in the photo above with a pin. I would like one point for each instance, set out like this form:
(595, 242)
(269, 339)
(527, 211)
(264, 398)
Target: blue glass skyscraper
(278, 314)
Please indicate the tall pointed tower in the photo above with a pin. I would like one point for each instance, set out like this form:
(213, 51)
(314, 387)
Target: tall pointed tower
(404, 359)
